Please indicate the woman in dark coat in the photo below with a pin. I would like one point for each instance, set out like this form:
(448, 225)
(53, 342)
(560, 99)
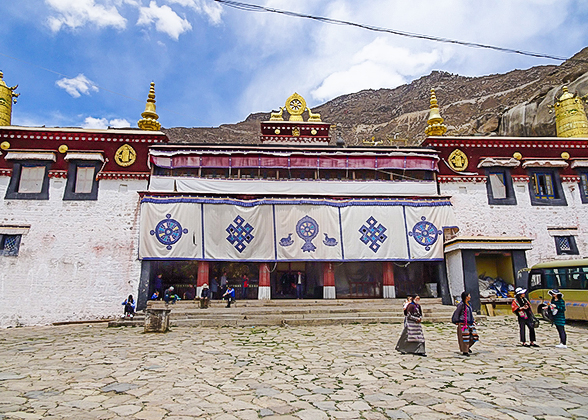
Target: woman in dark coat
(558, 308)
(463, 317)
(412, 339)
(522, 308)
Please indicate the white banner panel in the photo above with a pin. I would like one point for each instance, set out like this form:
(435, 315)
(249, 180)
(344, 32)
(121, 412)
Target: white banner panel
(306, 232)
(238, 233)
(425, 230)
(374, 233)
(170, 230)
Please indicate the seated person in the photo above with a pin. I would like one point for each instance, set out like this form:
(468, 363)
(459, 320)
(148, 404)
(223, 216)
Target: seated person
(204, 296)
(169, 295)
(229, 295)
(155, 296)
(190, 294)
(129, 304)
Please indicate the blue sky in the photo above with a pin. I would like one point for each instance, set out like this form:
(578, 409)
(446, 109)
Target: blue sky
(213, 65)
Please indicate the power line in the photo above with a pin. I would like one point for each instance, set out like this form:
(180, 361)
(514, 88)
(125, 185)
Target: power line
(256, 8)
(93, 84)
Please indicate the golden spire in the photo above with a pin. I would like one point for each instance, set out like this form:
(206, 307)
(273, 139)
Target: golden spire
(436, 126)
(570, 116)
(7, 97)
(149, 121)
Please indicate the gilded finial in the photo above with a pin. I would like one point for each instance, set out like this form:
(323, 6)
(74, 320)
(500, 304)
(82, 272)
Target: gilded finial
(149, 121)
(570, 116)
(435, 121)
(7, 98)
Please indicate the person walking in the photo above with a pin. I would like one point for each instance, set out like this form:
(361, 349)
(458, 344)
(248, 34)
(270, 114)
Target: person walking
(299, 286)
(245, 286)
(223, 283)
(214, 288)
(558, 309)
(463, 317)
(522, 308)
(412, 339)
(158, 284)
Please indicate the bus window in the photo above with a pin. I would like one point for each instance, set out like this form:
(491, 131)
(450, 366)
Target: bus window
(562, 276)
(583, 278)
(535, 281)
(550, 279)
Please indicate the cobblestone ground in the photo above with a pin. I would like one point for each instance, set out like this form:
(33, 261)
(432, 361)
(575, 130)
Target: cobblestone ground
(349, 372)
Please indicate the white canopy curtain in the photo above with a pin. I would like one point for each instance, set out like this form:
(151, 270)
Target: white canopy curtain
(293, 229)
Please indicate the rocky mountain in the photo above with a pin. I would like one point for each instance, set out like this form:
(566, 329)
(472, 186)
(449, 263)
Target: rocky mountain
(511, 104)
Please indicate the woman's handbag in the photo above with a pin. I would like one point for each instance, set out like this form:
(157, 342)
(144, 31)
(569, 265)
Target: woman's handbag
(535, 322)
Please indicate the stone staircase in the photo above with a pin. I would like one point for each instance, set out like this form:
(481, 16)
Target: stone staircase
(249, 313)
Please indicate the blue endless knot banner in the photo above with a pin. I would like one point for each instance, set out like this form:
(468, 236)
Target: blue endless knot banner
(240, 233)
(373, 234)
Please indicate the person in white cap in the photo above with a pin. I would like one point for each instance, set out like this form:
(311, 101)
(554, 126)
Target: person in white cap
(522, 308)
(558, 309)
(204, 296)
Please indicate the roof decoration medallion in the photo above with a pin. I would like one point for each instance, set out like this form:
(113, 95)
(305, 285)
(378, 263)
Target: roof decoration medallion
(458, 161)
(125, 155)
(295, 105)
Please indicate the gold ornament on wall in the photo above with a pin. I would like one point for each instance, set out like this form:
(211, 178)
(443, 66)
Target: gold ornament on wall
(5, 145)
(296, 132)
(517, 155)
(63, 148)
(125, 155)
(565, 155)
(458, 161)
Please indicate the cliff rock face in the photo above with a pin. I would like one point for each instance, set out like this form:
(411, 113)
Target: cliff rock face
(513, 104)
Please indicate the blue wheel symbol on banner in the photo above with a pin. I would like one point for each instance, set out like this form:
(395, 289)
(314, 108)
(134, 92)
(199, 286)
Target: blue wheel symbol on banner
(425, 233)
(307, 228)
(168, 231)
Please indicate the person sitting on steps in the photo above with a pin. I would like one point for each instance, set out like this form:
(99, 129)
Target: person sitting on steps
(230, 296)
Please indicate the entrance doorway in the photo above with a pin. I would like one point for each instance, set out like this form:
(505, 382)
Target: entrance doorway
(242, 276)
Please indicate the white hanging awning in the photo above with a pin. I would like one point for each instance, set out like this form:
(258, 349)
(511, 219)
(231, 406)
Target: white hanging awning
(545, 163)
(493, 162)
(84, 156)
(580, 163)
(29, 155)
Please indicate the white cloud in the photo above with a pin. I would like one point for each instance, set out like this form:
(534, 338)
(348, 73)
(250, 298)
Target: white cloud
(119, 123)
(165, 20)
(206, 7)
(77, 86)
(95, 123)
(77, 13)
(103, 123)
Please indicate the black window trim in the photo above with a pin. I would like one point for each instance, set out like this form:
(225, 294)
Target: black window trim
(510, 199)
(573, 245)
(560, 198)
(70, 187)
(12, 190)
(583, 196)
(3, 252)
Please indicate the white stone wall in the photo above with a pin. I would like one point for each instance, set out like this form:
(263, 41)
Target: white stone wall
(476, 217)
(79, 259)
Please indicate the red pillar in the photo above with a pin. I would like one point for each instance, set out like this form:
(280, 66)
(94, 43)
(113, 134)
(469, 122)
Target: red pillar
(264, 290)
(203, 272)
(328, 281)
(388, 280)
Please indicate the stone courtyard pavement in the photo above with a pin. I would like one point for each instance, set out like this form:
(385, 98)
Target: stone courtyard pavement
(303, 373)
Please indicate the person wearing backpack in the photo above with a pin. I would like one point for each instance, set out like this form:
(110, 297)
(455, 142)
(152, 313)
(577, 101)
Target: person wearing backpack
(522, 308)
(558, 309)
(463, 317)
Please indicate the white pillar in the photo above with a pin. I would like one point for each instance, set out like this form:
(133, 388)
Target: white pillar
(264, 292)
(389, 292)
(329, 292)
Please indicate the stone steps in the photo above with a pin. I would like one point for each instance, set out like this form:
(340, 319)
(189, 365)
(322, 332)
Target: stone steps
(292, 312)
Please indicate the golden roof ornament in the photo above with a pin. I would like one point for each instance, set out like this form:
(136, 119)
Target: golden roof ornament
(436, 126)
(7, 98)
(149, 121)
(570, 115)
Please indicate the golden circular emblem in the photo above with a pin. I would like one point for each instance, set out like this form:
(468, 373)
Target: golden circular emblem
(125, 155)
(5, 145)
(517, 155)
(295, 105)
(63, 148)
(458, 161)
(565, 155)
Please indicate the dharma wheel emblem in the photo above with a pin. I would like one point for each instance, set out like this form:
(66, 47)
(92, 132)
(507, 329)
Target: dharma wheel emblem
(458, 161)
(125, 155)
(296, 105)
(168, 231)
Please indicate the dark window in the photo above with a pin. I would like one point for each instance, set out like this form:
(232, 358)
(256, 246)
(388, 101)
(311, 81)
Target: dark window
(29, 181)
(81, 180)
(9, 245)
(566, 245)
(499, 187)
(545, 188)
(584, 186)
